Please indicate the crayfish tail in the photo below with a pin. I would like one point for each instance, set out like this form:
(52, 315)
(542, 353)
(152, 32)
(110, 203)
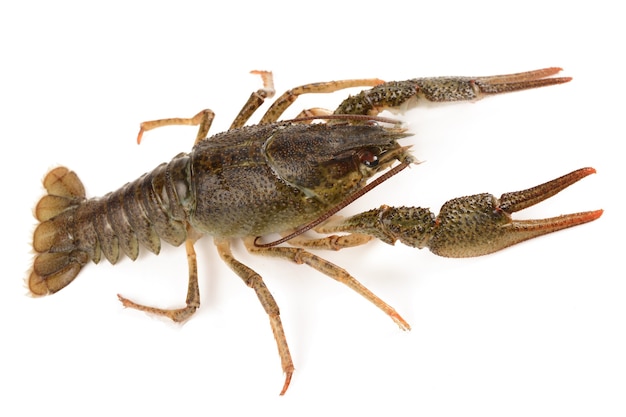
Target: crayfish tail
(57, 260)
(53, 271)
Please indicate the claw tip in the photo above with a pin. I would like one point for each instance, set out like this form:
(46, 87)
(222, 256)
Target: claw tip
(593, 215)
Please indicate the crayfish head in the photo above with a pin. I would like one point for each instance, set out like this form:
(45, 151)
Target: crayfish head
(329, 162)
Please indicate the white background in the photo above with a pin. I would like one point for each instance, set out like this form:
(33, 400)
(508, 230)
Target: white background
(537, 329)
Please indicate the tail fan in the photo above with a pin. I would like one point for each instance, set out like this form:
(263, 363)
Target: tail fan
(57, 261)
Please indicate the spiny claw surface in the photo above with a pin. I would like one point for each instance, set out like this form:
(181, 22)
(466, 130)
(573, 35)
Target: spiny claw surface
(481, 224)
(468, 226)
(403, 95)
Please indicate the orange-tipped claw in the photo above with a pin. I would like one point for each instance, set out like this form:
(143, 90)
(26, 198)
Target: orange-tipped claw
(474, 88)
(468, 226)
(481, 224)
(521, 81)
(520, 200)
(402, 95)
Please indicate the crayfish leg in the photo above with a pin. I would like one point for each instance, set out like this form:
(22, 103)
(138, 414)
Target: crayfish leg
(254, 281)
(312, 113)
(283, 102)
(333, 242)
(192, 302)
(203, 119)
(256, 99)
(301, 256)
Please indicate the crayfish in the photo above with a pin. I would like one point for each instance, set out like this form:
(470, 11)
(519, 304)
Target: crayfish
(287, 177)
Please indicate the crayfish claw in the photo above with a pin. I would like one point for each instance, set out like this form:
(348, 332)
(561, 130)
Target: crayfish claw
(402, 95)
(520, 81)
(468, 226)
(481, 224)
(519, 200)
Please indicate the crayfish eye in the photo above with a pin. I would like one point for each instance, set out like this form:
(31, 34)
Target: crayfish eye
(369, 159)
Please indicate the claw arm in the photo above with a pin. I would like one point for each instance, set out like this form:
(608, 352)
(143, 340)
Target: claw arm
(468, 226)
(402, 95)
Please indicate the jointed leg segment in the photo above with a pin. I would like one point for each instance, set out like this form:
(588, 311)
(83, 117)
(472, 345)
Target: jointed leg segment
(283, 102)
(202, 119)
(254, 281)
(192, 302)
(256, 99)
(301, 256)
(334, 242)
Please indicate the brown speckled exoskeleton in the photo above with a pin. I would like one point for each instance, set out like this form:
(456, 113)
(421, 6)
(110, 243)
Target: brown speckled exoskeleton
(286, 177)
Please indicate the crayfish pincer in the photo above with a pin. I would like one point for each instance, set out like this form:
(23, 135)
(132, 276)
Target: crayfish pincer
(286, 177)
